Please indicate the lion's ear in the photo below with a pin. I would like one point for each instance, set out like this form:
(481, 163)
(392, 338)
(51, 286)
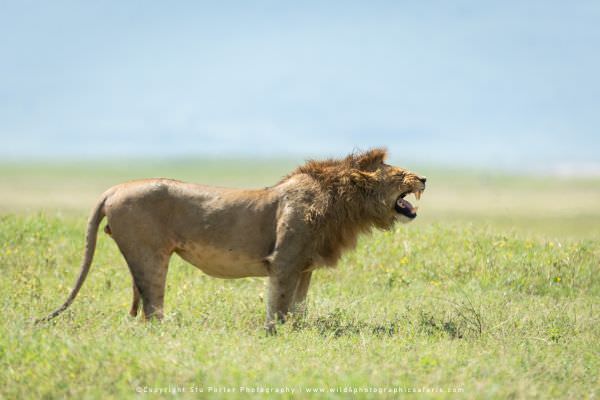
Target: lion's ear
(371, 160)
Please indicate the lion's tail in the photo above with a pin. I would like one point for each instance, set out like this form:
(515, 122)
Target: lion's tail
(90, 245)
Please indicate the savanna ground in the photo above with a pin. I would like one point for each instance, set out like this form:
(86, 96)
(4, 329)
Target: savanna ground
(492, 293)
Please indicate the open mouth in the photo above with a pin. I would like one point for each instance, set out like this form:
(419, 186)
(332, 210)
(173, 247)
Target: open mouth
(404, 207)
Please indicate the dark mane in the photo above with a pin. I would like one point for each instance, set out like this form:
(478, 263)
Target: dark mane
(327, 170)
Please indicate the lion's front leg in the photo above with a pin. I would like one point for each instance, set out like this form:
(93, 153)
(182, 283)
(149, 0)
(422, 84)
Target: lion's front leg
(286, 263)
(280, 296)
(299, 302)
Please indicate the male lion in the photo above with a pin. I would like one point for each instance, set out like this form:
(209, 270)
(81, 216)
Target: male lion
(282, 232)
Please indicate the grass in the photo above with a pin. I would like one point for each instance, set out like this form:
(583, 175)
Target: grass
(492, 293)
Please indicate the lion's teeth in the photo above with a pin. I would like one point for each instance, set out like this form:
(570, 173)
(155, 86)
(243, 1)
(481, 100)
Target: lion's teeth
(415, 209)
(418, 194)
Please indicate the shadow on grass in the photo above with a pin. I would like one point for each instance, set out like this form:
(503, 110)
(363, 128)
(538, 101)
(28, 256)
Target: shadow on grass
(459, 321)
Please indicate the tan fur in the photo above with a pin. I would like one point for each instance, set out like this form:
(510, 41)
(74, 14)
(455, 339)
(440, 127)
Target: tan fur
(282, 232)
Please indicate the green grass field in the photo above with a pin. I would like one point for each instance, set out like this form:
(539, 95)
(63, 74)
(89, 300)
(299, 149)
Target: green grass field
(492, 293)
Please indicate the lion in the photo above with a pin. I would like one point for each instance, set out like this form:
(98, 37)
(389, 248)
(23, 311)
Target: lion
(283, 232)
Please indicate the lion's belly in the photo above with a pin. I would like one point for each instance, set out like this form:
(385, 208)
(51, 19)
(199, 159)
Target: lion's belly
(222, 263)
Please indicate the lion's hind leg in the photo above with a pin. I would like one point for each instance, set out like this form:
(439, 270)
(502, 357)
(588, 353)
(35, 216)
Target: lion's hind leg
(150, 278)
(148, 268)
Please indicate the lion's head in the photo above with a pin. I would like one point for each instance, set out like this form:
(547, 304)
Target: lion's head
(366, 188)
(390, 185)
(356, 193)
(384, 187)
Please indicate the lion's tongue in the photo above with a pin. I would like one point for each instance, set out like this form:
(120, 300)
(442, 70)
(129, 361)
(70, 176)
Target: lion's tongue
(404, 207)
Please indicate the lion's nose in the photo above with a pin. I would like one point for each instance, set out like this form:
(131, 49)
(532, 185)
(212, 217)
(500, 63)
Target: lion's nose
(423, 179)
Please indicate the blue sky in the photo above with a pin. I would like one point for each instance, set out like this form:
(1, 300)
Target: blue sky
(468, 83)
